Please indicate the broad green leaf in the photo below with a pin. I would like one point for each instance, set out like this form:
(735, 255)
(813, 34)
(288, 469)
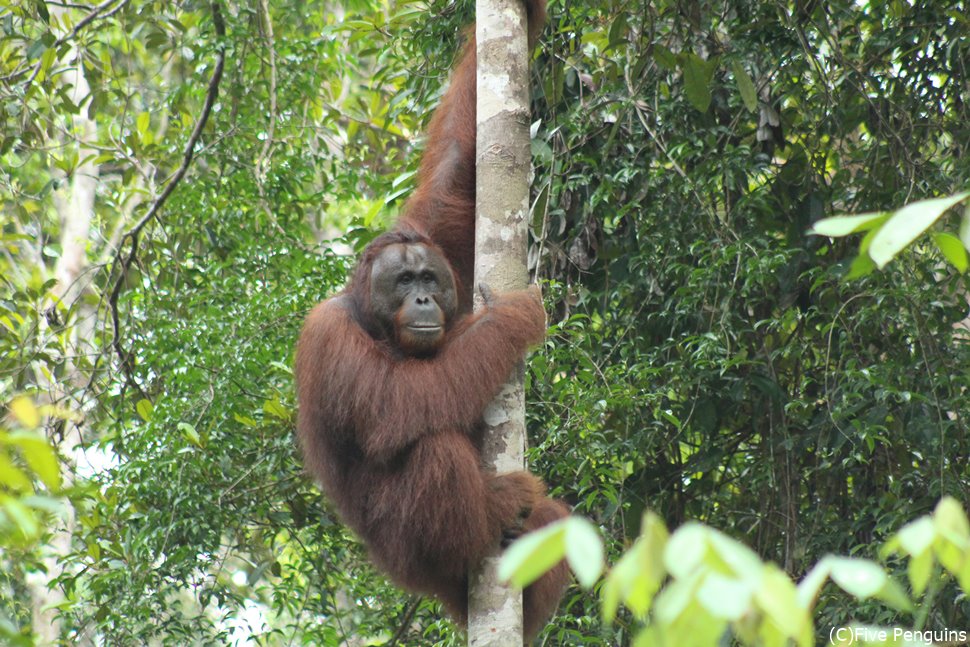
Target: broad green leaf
(47, 60)
(403, 178)
(813, 582)
(190, 434)
(919, 569)
(619, 581)
(918, 536)
(675, 599)
(35, 49)
(244, 420)
(893, 594)
(619, 29)
(42, 11)
(951, 555)
(142, 123)
(636, 578)
(777, 596)
(686, 550)
(276, 409)
(11, 476)
(40, 457)
(23, 409)
(665, 58)
(532, 555)
(953, 543)
(838, 226)
(145, 409)
(906, 224)
(649, 637)
(584, 550)
(724, 597)
(22, 516)
(951, 520)
(742, 561)
(861, 266)
(749, 94)
(952, 249)
(859, 577)
(541, 150)
(698, 75)
(44, 503)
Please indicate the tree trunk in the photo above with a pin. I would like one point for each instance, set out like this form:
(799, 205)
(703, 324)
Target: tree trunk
(501, 237)
(75, 205)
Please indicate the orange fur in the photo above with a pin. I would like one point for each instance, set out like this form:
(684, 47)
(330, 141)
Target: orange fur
(395, 440)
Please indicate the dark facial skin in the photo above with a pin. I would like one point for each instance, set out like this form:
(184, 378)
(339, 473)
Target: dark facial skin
(413, 296)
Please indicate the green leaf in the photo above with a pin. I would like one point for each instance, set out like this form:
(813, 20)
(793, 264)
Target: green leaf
(952, 547)
(244, 420)
(665, 58)
(675, 599)
(584, 550)
(41, 6)
(541, 151)
(724, 597)
(749, 94)
(777, 596)
(619, 29)
(952, 249)
(22, 516)
(11, 476)
(532, 555)
(26, 413)
(893, 594)
(906, 224)
(686, 550)
(47, 60)
(40, 457)
(838, 226)
(142, 122)
(742, 561)
(145, 409)
(862, 578)
(698, 75)
(35, 49)
(919, 570)
(951, 520)
(813, 582)
(636, 578)
(190, 434)
(861, 266)
(918, 536)
(276, 409)
(44, 503)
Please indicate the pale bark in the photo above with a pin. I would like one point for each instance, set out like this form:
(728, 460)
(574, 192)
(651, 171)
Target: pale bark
(75, 203)
(501, 238)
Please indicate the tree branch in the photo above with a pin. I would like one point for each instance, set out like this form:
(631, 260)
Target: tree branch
(261, 161)
(132, 234)
(81, 24)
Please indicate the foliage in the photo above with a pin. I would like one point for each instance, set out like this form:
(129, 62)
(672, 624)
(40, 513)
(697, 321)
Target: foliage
(30, 481)
(707, 358)
(889, 233)
(692, 586)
